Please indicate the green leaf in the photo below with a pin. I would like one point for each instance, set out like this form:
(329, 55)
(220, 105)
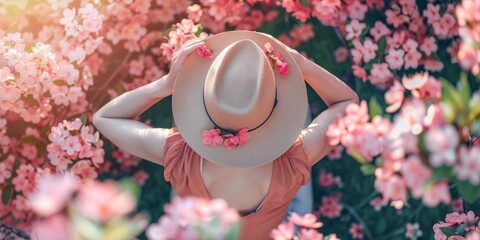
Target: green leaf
(60, 82)
(367, 169)
(84, 119)
(130, 186)
(199, 30)
(447, 231)
(470, 192)
(232, 234)
(305, 3)
(119, 88)
(6, 192)
(474, 112)
(375, 108)
(461, 229)
(464, 89)
(382, 43)
(451, 95)
(358, 157)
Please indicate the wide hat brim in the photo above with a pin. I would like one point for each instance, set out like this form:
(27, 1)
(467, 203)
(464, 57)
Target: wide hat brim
(266, 143)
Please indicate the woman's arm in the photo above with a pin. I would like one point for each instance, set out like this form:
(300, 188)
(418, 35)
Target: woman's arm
(115, 119)
(335, 93)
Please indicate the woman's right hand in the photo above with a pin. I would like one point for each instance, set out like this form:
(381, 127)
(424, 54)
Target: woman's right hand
(180, 56)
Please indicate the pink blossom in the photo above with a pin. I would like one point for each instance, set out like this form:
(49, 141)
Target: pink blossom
(431, 64)
(184, 216)
(354, 29)
(369, 50)
(394, 58)
(412, 59)
(4, 172)
(335, 153)
(436, 193)
(283, 68)
(327, 179)
(356, 230)
(413, 113)
(242, 136)
(310, 234)
(57, 227)
(330, 207)
(415, 173)
(231, 142)
(442, 142)
(204, 52)
(52, 193)
(211, 137)
(379, 30)
(113, 202)
(308, 220)
(357, 10)
(194, 12)
(359, 72)
(415, 81)
(432, 13)
(392, 188)
(468, 167)
(341, 54)
(457, 205)
(394, 97)
(413, 230)
(377, 203)
(380, 74)
(140, 177)
(429, 46)
(431, 89)
(283, 231)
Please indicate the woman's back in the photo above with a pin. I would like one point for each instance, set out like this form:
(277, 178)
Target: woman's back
(287, 174)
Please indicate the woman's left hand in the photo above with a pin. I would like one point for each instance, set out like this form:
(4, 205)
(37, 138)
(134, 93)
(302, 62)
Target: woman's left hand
(180, 56)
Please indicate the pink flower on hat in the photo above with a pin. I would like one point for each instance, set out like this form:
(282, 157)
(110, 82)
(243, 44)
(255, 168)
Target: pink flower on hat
(212, 137)
(276, 58)
(231, 142)
(242, 136)
(204, 52)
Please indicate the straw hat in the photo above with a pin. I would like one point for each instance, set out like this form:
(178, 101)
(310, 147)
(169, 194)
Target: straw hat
(240, 87)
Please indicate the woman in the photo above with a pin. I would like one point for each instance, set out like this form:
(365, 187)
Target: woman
(242, 109)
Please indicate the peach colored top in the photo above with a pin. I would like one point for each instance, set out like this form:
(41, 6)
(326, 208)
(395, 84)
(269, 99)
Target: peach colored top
(290, 171)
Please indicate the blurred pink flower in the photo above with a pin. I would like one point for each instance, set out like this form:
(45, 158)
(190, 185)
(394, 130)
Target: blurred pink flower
(359, 72)
(415, 173)
(330, 207)
(392, 188)
(185, 216)
(412, 230)
(436, 193)
(442, 142)
(4, 172)
(341, 54)
(377, 203)
(327, 179)
(357, 10)
(468, 166)
(429, 46)
(356, 230)
(415, 81)
(412, 59)
(53, 193)
(284, 231)
(308, 220)
(457, 205)
(53, 228)
(113, 202)
(394, 97)
(195, 12)
(310, 234)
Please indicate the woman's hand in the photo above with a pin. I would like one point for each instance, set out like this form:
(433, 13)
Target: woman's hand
(180, 56)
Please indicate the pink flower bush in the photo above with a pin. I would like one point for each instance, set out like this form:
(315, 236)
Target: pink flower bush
(469, 28)
(105, 213)
(71, 141)
(459, 224)
(195, 218)
(307, 225)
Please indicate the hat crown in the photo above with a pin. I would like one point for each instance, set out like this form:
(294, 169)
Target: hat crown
(239, 90)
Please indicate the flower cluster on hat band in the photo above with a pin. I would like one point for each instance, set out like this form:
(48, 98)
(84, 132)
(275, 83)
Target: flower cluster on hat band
(215, 136)
(275, 57)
